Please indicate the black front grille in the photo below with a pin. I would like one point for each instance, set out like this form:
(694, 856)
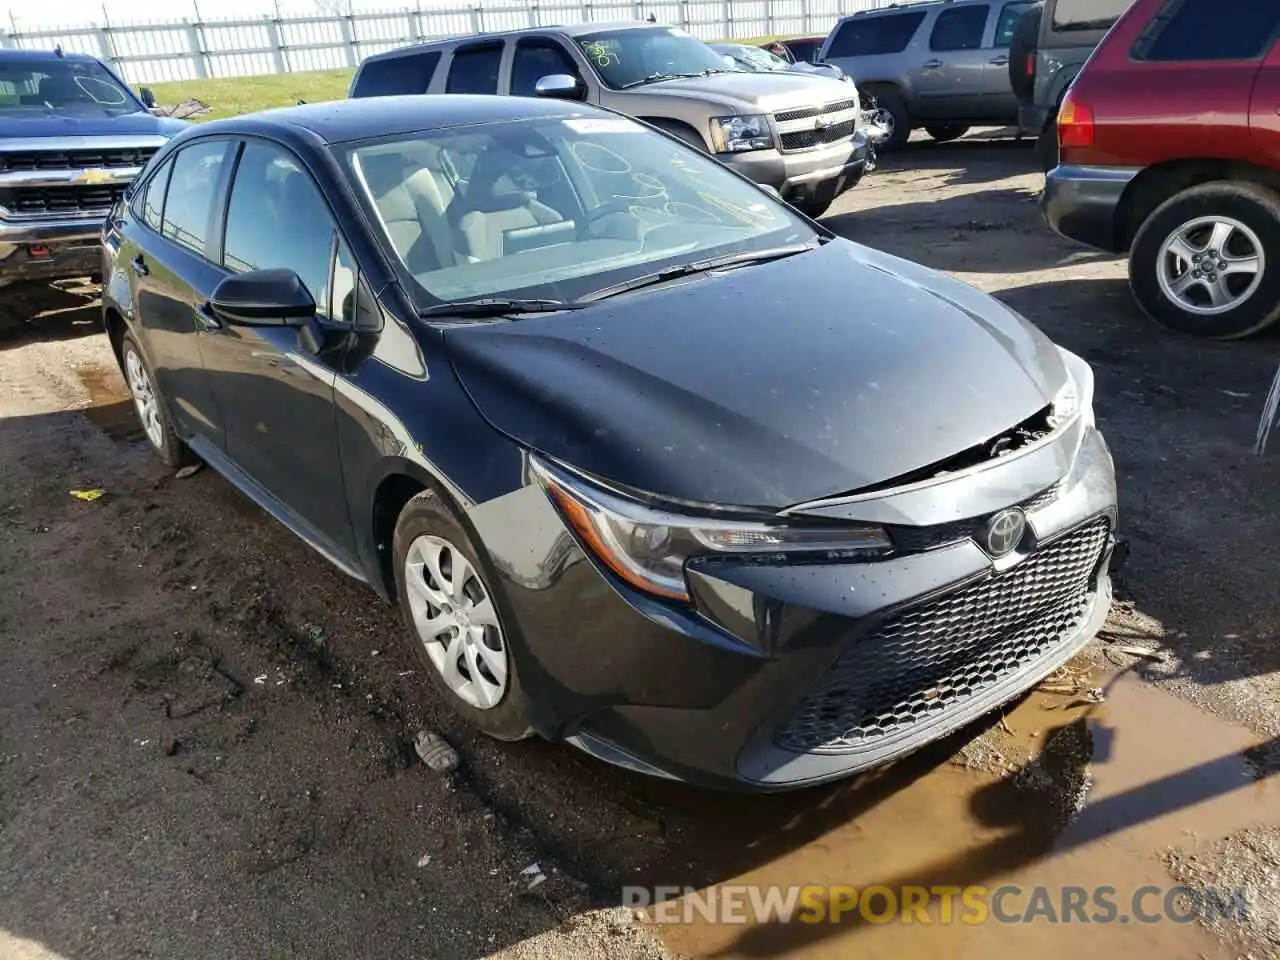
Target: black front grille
(923, 662)
(918, 539)
(799, 114)
(799, 139)
(28, 160)
(34, 201)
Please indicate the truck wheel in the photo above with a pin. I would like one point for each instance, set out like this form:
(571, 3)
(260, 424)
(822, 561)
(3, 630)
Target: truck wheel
(942, 132)
(895, 117)
(1205, 262)
(1047, 145)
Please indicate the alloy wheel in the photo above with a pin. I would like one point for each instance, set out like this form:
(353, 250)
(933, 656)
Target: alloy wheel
(456, 622)
(1210, 265)
(144, 398)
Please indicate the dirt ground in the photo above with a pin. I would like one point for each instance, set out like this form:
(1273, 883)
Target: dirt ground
(205, 730)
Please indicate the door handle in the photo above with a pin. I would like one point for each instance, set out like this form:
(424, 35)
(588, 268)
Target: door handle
(139, 266)
(932, 64)
(206, 319)
(999, 61)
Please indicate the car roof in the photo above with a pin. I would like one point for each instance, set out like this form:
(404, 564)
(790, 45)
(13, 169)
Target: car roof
(342, 121)
(565, 29)
(15, 54)
(910, 5)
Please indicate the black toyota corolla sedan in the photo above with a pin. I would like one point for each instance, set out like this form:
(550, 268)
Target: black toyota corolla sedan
(651, 463)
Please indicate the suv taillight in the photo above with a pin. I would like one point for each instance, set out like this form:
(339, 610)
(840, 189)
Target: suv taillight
(1075, 123)
(1031, 65)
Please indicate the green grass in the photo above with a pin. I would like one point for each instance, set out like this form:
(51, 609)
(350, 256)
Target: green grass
(230, 96)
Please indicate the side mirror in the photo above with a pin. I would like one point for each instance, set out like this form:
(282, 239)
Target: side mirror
(148, 98)
(263, 298)
(561, 86)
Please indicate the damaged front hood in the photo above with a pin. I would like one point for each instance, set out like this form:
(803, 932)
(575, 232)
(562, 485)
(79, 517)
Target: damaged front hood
(767, 386)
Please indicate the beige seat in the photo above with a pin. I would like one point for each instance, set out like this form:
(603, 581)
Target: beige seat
(497, 219)
(412, 205)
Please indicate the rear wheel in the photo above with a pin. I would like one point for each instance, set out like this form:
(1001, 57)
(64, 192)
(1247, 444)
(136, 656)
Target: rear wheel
(149, 403)
(942, 132)
(1205, 262)
(459, 631)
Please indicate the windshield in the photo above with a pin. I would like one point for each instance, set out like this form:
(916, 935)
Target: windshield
(555, 208)
(57, 84)
(629, 58)
(752, 58)
(1088, 14)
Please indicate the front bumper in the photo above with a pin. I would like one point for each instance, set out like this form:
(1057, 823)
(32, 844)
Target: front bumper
(759, 685)
(1081, 203)
(73, 245)
(820, 174)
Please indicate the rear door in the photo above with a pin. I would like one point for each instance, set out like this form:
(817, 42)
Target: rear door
(475, 68)
(999, 102)
(276, 396)
(948, 80)
(166, 252)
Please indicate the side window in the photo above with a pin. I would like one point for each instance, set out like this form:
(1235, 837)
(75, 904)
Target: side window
(151, 203)
(188, 209)
(396, 75)
(960, 28)
(535, 59)
(1204, 30)
(1084, 15)
(474, 70)
(1008, 22)
(277, 218)
(353, 304)
(872, 36)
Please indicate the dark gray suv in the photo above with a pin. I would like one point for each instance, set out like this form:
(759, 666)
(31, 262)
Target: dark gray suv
(943, 66)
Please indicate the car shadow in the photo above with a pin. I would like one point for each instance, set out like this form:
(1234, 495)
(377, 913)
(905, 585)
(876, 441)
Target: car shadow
(65, 310)
(982, 157)
(996, 230)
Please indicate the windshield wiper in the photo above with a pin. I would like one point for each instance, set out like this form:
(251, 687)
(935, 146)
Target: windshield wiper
(694, 267)
(496, 307)
(659, 77)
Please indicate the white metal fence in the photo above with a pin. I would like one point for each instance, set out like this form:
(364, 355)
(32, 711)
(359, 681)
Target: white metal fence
(202, 47)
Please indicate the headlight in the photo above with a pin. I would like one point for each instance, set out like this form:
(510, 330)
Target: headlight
(734, 134)
(647, 547)
(1076, 396)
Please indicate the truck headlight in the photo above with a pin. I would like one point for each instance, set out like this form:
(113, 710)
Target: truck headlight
(735, 134)
(647, 546)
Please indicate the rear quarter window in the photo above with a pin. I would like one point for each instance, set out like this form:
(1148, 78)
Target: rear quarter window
(396, 76)
(873, 36)
(1085, 15)
(1185, 30)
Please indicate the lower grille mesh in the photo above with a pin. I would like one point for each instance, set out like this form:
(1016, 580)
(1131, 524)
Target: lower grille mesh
(927, 660)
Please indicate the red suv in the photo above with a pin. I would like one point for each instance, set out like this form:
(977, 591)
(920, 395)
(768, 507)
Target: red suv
(1170, 150)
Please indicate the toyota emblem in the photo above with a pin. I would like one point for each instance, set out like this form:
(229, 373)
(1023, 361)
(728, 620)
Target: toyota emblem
(1004, 531)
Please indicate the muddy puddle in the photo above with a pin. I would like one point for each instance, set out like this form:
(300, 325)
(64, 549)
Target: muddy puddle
(1083, 800)
(110, 407)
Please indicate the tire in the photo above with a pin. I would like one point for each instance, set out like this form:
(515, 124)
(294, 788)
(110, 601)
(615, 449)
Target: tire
(942, 132)
(426, 528)
(891, 102)
(1047, 145)
(1250, 217)
(813, 209)
(151, 407)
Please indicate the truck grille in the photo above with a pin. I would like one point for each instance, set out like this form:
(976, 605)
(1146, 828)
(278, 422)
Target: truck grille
(38, 201)
(806, 127)
(922, 663)
(32, 160)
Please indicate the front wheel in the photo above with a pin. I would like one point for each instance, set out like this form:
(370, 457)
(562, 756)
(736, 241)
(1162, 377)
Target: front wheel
(942, 132)
(149, 403)
(894, 118)
(1205, 262)
(459, 632)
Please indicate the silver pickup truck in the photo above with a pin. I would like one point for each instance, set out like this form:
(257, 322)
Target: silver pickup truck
(72, 137)
(796, 133)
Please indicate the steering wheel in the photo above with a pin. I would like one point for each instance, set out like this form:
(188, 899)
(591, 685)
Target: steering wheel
(602, 211)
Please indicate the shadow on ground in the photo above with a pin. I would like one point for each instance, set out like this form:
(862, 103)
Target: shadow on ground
(40, 311)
